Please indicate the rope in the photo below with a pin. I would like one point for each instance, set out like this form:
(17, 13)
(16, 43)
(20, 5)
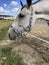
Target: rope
(38, 38)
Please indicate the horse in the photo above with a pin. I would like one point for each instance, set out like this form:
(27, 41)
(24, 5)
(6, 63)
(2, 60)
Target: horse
(23, 22)
(42, 12)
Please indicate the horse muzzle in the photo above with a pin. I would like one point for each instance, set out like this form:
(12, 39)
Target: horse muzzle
(11, 37)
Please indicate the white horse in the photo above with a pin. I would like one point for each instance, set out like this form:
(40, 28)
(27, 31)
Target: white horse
(24, 21)
(41, 10)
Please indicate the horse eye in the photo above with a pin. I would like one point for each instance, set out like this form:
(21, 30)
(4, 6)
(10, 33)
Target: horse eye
(21, 15)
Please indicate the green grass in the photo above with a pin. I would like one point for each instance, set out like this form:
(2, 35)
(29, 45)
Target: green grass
(4, 26)
(45, 58)
(8, 57)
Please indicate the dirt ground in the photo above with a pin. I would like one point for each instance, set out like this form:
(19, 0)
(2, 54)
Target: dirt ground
(41, 30)
(33, 51)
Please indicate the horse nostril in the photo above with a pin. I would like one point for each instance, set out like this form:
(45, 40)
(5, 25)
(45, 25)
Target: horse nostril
(9, 37)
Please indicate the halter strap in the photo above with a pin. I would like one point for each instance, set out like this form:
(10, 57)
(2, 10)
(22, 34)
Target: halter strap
(30, 21)
(15, 30)
(19, 34)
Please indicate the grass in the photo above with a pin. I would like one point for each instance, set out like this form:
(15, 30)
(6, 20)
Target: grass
(4, 26)
(8, 57)
(45, 58)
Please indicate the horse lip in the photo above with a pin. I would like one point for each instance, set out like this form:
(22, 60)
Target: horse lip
(12, 38)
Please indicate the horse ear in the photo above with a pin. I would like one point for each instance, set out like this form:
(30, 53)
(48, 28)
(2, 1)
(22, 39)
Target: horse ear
(29, 2)
(21, 3)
